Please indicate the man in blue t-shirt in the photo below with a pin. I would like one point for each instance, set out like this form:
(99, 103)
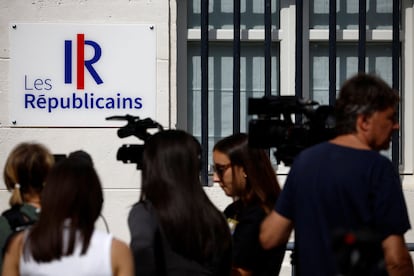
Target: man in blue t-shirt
(342, 197)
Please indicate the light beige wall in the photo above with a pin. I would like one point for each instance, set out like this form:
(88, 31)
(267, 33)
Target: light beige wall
(121, 181)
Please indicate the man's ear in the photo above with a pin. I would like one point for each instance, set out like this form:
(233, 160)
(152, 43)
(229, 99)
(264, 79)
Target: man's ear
(362, 122)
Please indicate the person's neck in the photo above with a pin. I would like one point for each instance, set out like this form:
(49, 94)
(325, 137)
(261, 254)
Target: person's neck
(352, 140)
(32, 199)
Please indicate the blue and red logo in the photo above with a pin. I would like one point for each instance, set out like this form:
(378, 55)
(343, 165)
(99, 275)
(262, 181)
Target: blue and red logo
(81, 63)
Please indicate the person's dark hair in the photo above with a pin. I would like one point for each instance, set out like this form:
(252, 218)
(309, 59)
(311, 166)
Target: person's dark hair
(362, 94)
(26, 169)
(261, 181)
(82, 155)
(194, 227)
(72, 199)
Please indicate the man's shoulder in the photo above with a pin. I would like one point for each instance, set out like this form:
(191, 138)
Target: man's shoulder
(319, 147)
(315, 150)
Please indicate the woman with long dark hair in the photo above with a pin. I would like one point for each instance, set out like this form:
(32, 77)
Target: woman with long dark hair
(175, 228)
(246, 175)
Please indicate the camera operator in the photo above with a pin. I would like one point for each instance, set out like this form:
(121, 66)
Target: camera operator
(345, 185)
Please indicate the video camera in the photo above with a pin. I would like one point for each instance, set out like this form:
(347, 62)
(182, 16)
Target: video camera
(358, 252)
(139, 128)
(274, 126)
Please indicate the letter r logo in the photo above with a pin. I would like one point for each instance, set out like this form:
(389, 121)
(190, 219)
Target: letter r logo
(81, 63)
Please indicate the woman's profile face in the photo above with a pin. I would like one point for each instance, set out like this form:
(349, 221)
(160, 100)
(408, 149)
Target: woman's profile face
(223, 174)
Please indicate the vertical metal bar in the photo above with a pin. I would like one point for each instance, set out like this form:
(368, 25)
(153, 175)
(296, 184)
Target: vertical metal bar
(332, 52)
(362, 34)
(236, 66)
(268, 47)
(396, 53)
(299, 50)
(204, 90)
(298, 83)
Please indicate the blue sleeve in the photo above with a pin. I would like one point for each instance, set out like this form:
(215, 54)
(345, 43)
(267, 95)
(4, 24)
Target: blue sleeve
(284, 204)
(391, 215)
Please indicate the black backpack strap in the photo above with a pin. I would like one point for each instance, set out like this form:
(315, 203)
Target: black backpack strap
(17, 219)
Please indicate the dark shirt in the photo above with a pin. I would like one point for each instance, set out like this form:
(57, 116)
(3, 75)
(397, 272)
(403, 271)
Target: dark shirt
(153, 255)
(332, 188)
(248, 254)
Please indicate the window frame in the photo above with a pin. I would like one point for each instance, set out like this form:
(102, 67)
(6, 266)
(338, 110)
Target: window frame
(285, 36)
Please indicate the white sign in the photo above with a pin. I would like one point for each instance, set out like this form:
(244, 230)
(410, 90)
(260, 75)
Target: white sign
(78, 75)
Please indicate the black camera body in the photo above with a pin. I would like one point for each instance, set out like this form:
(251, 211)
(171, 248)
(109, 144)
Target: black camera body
(133, 153)
(274, 127)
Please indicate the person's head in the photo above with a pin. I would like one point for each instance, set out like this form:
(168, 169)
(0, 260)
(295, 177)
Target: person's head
(171, 182)
(73, 191)
(72, 197)
(83, 155)
(367, 105)
(244, 172)
(26, 169)
(171, 166)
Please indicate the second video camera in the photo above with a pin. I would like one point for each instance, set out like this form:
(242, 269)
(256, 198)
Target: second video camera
(275, 128)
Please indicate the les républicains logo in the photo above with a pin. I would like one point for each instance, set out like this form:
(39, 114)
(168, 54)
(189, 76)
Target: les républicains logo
(81, 63)
(51, 102)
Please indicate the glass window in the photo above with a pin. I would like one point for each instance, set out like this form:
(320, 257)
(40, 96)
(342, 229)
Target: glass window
(220, 111)
(220, 86)
(221, 14)
(378, 12)
(315, 55)
(378, 60)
